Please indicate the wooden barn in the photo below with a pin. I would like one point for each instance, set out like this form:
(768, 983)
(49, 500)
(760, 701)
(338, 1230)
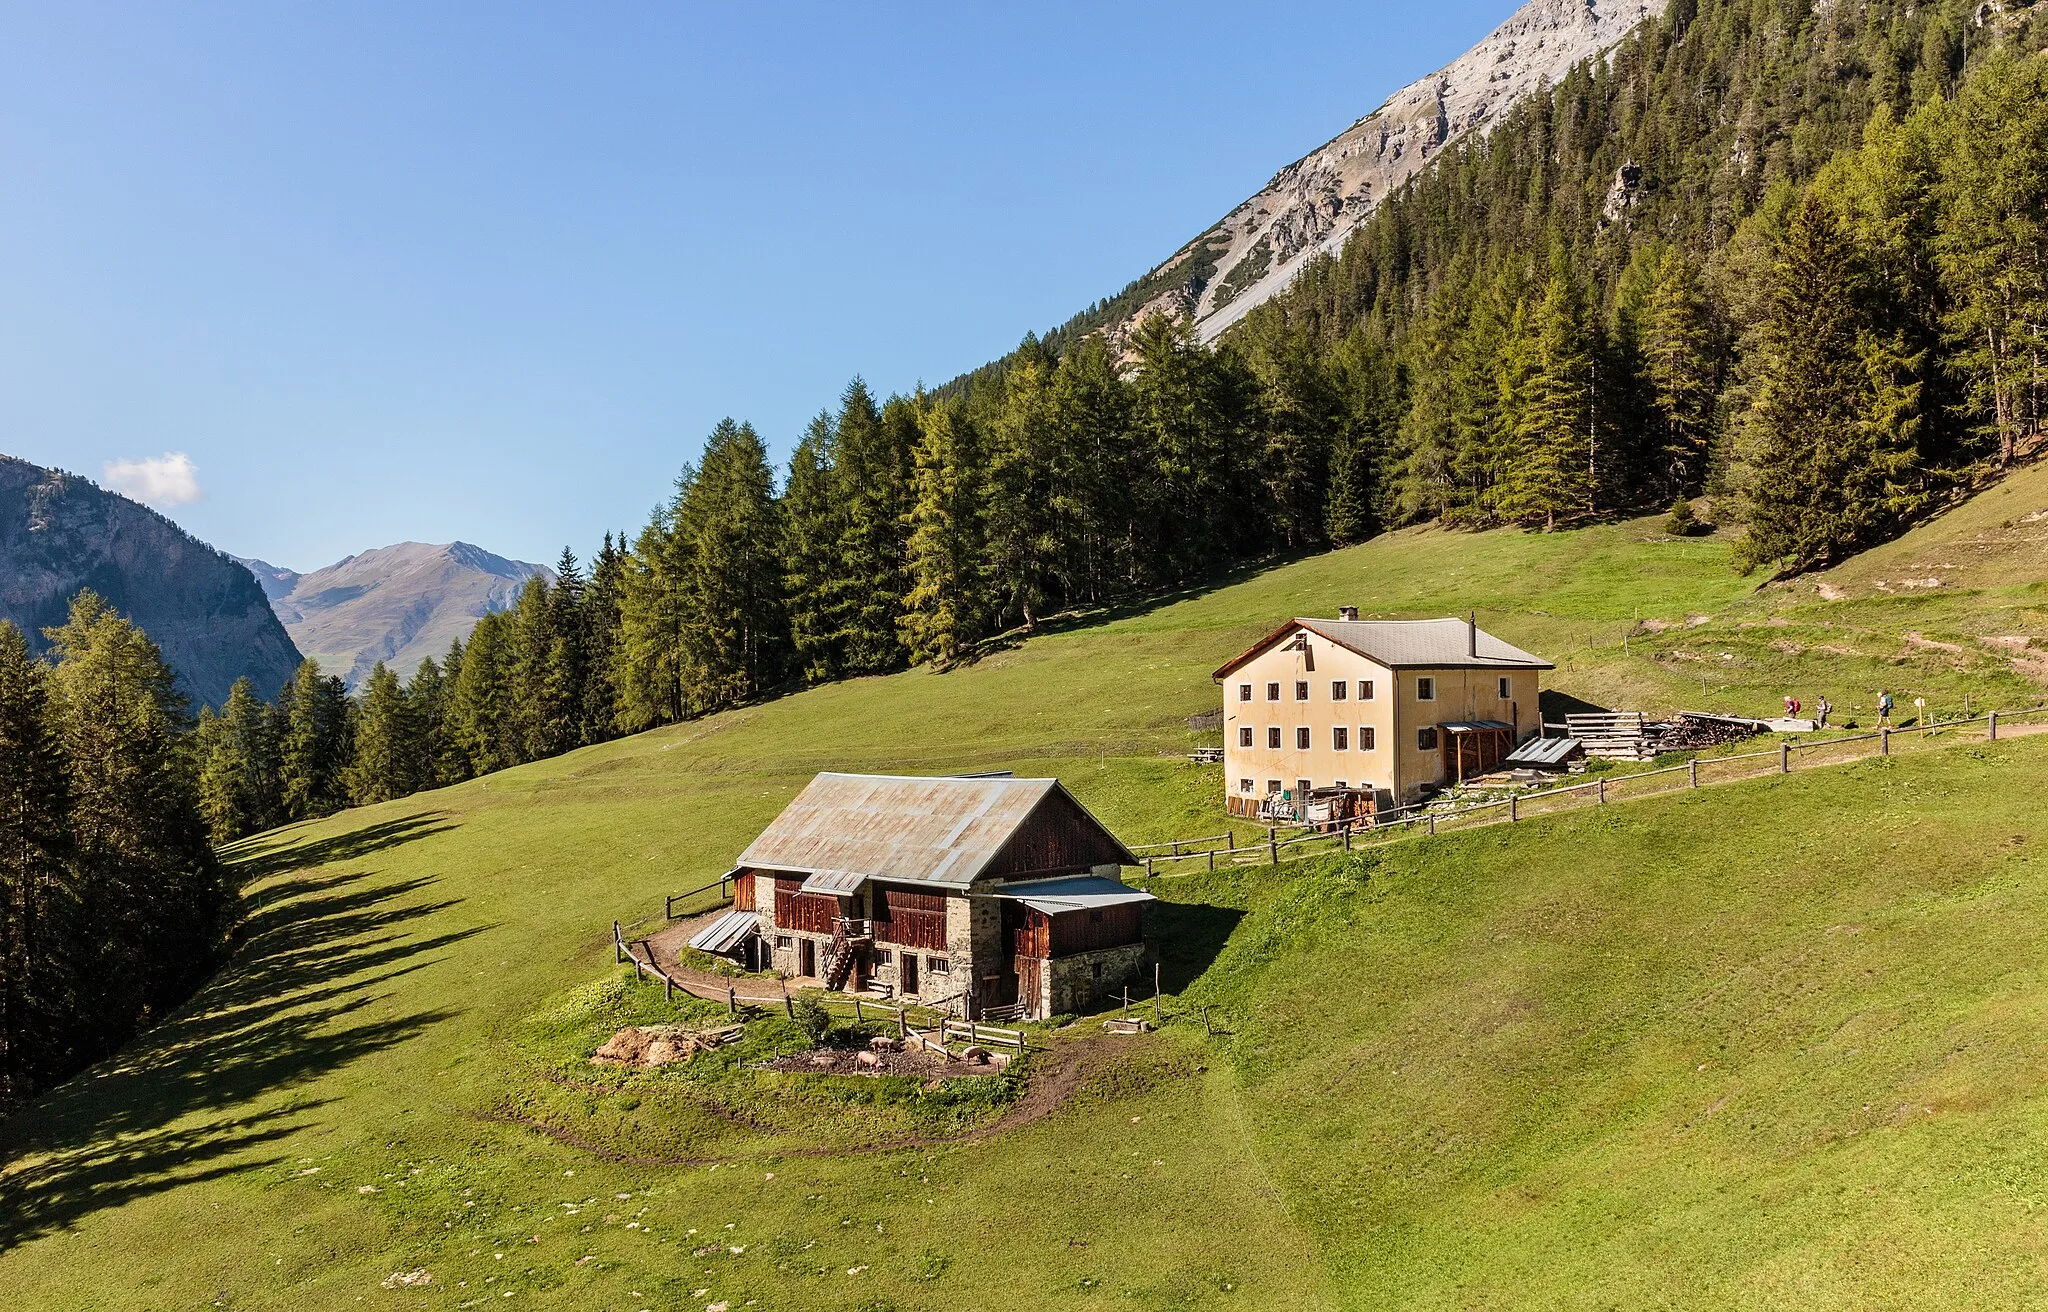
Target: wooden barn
(987, 895)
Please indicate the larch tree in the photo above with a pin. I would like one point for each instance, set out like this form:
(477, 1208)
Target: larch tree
(35, 875)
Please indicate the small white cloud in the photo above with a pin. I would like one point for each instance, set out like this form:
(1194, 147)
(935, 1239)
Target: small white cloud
(170, 479)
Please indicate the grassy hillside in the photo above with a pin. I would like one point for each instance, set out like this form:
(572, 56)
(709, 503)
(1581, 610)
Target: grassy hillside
(1476, 1064)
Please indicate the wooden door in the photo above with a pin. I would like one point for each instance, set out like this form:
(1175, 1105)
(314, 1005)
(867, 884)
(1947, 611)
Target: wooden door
(807, 957)
(906, 972)
(1028, 986)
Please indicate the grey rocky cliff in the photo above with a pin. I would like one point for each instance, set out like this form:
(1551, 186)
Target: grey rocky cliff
(60, 534)
(1314, 203)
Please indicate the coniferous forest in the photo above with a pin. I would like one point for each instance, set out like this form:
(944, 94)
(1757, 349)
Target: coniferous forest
(1788, 258)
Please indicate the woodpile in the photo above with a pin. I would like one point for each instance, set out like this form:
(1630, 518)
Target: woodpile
(1695, 731)
(648, 1046)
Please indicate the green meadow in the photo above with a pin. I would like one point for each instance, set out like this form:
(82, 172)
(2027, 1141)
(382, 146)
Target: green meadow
(1770, 1044)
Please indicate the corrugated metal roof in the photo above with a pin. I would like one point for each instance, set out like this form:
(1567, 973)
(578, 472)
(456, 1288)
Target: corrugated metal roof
(1542, 751)
(1445, 644)
(1072, 893)
(1474, 726)
(726, 933)
(834, 881)
(941, 831)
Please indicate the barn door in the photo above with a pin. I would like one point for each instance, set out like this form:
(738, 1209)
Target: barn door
(1028, 986)
(807, 957)
(906, 972)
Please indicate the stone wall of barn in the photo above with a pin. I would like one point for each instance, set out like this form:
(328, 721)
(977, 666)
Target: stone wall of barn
(1086, 981)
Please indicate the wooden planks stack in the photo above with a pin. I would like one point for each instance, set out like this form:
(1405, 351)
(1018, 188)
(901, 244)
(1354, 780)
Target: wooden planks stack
(1614, 735)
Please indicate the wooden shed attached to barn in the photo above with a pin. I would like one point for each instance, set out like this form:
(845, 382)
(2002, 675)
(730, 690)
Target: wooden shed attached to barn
(987, 895)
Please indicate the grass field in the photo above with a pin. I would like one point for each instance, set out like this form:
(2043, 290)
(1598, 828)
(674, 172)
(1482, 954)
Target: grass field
(1772, 1044)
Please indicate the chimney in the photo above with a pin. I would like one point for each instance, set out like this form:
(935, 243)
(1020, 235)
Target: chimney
(1347, 612)
(1472, 632)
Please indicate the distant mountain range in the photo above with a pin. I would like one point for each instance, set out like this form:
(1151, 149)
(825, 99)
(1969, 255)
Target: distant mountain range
(398, 604)
(60, 533)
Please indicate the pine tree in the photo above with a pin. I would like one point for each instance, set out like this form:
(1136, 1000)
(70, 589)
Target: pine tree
(601, 600)
(873, 475)
(434, 763)
(238, 766)
(35, 875)
(1098, 487)
(813, 519)
(1023, 545)
(946, 606)
(157, 898)
(567, 664)
(540, 718)
(386, 741)
(1834, 408)
(651, 666)
(735, 627)
(313, 747)
(1681, 361)
(481, 721)
(1548, 410)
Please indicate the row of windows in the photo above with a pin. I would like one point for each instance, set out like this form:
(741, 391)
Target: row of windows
(1340, 690)
(1302, 786)
(1340, 738)
(885, 957)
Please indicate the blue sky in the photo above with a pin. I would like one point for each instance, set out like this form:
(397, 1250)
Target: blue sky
(491, 272)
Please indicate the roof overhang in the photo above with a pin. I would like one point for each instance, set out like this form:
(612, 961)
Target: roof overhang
(1072, 893)
(1476, 726)
(839, 883)
(726, 933)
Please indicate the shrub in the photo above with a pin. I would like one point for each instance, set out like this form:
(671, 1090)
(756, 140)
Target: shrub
(812, 1019)
(1682, 523)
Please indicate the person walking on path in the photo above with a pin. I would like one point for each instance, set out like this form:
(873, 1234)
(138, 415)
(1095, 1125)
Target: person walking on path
(1821, 710)
(1791, 707)
(1884, 710)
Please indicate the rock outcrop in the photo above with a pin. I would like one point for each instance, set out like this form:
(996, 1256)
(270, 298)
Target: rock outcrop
(398, 604)
(1313, 204)
(60, 534)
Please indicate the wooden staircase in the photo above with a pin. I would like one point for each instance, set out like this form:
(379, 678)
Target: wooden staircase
(849, 939)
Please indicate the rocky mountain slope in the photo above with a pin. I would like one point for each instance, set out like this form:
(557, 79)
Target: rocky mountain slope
(60, 534)
(1313, 204)
(397, 604)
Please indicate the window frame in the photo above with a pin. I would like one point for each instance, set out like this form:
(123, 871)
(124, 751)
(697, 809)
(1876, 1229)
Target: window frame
(1340, 689)
(1244, 692)
(1274, 787)
(1246, 786)
(1365, 690)
(1425, 687)
(1301, 690)
(1507, 688)
(1425, 738)
(1273, 739)
(1367, 738)
(1304, 739)
(1340, 738)
(1245, 737)
(1272, 690)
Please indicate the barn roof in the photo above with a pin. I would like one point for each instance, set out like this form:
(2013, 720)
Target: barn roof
(1073, 893)
(844, 829)
(1444, 644)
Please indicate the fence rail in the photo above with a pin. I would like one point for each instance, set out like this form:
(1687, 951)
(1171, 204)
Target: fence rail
(668, 904)
(1698, 770)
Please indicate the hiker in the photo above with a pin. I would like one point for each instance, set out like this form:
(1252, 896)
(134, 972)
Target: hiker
(1791, 707)
(1884, 710)
(1822, 709)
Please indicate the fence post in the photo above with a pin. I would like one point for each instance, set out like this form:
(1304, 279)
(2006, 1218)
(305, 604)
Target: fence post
(1126, 1012)
(1432, 824)
(1884, 742)
(857, 1016)
(732, 999)
(788, 1007)
(1514, 810)
(668, 988)
(1994, 726)
(1693, 769)
(1784, 758)
(1158, 1015)
(1601, 784)
(618, 944)
(902, 1026)
(1212, 860)
(1347, 838)
(1148, 869)
(1273, 845)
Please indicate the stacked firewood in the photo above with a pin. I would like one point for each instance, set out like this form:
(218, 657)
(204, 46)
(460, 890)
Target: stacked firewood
(1693, 733)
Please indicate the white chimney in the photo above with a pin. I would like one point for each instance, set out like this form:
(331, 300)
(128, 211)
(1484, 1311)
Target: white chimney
(1347, 612)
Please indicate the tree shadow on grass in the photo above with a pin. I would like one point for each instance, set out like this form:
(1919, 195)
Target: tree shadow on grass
(303, 994)
(1187, 936)
(264, 855)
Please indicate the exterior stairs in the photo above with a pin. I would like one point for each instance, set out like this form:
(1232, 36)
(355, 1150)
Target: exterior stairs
(849, 939)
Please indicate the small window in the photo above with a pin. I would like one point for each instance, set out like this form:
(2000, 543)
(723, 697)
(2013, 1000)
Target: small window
(1366, 736)
(781, 941)
(1273, 692)
(1425, 689)
(1340, 739)
(1272, 785)
(885, 958)
(1095, 970)
(1301, 739)
(1339, 783)
(1273, 737)
(1244, 692)
(1425, 740)
(938, 965)
(1338, 688)
(1365, 690)
(1505, 691)
(1244, 735)
(1244, 785)
(1301, 690)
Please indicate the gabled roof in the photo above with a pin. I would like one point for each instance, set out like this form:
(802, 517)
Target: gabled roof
(1445, 644)
(845, 829)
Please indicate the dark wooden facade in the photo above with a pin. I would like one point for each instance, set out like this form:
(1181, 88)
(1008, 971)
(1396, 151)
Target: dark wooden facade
(1038, 934)
(743, 892)
(808, 913)
(910, 919)
(1057, 838)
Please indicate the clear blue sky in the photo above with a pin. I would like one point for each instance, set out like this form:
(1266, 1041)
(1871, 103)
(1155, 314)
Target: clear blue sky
(492, 272)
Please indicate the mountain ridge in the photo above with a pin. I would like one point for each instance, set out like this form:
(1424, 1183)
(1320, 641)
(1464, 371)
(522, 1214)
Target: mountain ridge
(398, 604)
(60, 534)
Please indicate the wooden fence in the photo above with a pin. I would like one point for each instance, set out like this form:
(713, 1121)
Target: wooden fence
(1694, 773)
(668, 904)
